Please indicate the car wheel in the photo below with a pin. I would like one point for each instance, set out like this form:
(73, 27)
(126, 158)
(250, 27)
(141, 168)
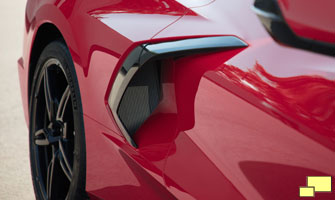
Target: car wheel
(56, 130)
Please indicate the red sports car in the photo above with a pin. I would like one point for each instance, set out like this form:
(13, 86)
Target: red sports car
(180, 99)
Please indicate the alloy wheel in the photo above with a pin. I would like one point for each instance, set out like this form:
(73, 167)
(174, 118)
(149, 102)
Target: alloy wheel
(53, 135)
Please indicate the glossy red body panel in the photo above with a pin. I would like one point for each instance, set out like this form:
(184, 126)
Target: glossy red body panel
(248, 123)
(310, 19)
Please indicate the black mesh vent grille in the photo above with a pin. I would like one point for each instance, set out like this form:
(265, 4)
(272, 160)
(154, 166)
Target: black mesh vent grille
(140, 98)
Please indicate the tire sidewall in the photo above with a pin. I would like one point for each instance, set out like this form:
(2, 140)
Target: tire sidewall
(59, 51)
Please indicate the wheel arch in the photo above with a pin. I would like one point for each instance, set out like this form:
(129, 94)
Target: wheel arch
(45, 34)
(48, 24)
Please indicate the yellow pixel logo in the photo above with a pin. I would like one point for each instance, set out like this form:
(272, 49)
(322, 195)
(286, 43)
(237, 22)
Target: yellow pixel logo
(316, 184)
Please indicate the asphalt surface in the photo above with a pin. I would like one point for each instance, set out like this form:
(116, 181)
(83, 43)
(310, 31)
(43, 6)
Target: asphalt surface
(15, 179)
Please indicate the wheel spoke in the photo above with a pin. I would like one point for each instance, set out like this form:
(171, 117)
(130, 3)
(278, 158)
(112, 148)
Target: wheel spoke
(64, 130)
(62, 104)
(64, 162)
(49, 99)
(41, 138)
(50, 174)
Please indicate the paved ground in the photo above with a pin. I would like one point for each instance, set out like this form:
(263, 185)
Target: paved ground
(15, 180)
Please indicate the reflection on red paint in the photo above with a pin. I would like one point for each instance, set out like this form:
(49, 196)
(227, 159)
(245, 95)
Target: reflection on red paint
(308, 22)
(162, 7)
(309, 99)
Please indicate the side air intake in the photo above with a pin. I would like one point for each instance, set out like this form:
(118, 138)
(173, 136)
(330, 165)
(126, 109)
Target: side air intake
(136, 91)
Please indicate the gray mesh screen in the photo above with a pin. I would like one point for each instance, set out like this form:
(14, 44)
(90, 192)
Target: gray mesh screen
(140, 98)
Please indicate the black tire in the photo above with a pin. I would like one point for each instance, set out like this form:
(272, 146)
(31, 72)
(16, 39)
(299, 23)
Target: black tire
(56, 129)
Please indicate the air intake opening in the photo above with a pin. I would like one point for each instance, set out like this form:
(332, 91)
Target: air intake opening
(141, 97)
